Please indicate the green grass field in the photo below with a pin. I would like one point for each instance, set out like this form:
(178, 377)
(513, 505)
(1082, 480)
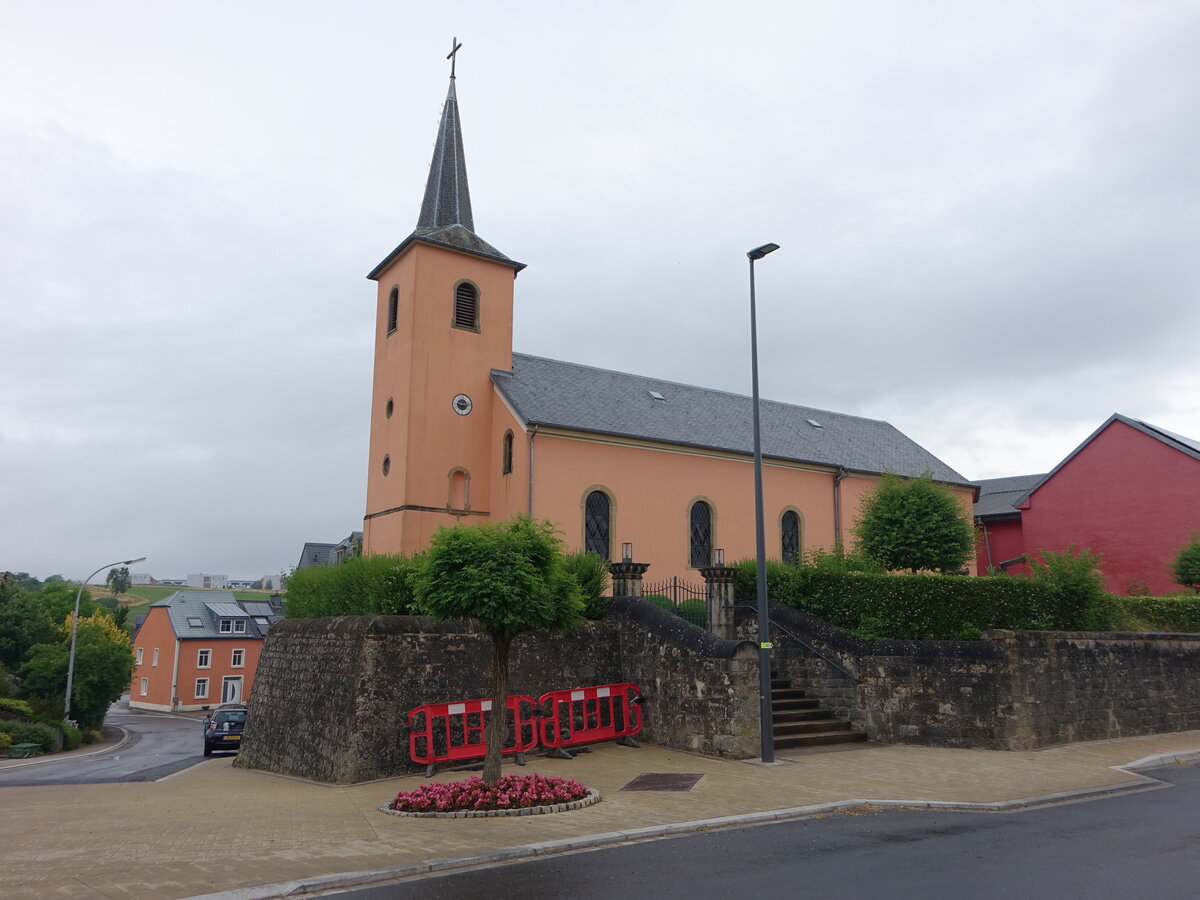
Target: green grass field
(141, 597)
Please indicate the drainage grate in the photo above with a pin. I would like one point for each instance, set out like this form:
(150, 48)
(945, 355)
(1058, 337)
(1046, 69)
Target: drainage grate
(663, 781)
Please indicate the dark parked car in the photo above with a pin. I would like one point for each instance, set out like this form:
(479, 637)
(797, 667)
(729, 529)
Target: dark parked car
(223, 729)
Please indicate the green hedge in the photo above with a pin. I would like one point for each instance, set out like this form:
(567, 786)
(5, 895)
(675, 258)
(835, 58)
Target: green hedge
(1177, 613)
(29, 733)
(913, 607)
(373, 585)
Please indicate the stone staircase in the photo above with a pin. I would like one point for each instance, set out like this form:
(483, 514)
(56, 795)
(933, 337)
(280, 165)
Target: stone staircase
(799, 721)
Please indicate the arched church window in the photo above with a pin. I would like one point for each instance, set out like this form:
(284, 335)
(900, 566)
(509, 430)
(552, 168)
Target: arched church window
(597, 524)
(506, 453)
(393, 309)
(700, 538)
(466, 306)
(789, 536)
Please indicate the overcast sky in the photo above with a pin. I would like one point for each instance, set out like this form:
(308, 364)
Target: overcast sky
(988, 215)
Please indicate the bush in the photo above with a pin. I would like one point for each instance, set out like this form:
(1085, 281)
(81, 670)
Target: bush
(694, 610)
(363, 586)
(1186, 565)
(72, 736)
(838, 560)
(1074, 576)
(907, 607)
(30, 733)
(6, 741)
(915, 525)
(591, 571)
(15, 708)
(1177, 613)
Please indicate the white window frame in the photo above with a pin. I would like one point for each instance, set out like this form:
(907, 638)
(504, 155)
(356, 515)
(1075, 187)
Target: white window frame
(204, 659)
(140, 652)
(201, 688)
(239, 626)
(154, 658)
(145, 686)
(226, 626)
(237, 659)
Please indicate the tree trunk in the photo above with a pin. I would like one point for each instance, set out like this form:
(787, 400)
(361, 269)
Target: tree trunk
(495, 734)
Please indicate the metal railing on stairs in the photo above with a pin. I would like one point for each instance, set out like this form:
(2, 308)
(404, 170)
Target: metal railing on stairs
(799, 640)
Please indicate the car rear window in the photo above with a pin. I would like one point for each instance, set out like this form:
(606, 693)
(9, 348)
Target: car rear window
(236, 715)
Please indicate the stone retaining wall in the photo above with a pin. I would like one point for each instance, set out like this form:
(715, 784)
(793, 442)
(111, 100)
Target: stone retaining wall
(331, 696)
(1008, 691)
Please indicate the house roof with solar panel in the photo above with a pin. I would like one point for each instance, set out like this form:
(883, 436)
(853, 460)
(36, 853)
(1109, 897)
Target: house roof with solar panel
(219, 614)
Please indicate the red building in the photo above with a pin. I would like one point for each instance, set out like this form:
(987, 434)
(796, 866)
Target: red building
(1130, 492)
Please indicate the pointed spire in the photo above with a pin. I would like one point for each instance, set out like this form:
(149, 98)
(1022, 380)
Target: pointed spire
(447, 197)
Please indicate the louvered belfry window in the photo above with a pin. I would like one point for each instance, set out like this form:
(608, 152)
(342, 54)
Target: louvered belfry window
(596, 524)
(789, 528)
(701, 534)
(393, 309)
(466, 306)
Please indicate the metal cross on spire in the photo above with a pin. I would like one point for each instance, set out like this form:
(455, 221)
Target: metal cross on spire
(455, 46)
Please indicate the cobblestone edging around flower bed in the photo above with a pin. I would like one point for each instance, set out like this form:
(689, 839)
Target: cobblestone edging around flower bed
(593, 797)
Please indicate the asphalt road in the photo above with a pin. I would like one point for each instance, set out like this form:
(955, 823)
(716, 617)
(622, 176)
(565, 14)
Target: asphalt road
(158, 745)
(1143, 845)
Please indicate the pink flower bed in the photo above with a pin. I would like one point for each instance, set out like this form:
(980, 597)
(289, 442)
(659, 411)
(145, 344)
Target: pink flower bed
(510, 792)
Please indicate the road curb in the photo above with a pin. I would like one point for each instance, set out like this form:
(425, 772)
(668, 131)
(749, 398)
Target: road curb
(126, 735)
(447, 864)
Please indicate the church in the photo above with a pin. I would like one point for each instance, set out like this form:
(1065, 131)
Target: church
(464, 430)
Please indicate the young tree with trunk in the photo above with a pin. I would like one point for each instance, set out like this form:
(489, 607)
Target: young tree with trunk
(508, 578)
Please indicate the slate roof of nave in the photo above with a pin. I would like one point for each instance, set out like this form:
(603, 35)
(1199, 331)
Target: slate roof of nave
(566, 395)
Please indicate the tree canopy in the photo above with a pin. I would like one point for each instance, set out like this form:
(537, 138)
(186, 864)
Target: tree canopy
(118, 579)
(508, 578)
(915, 525)
(1186, 565)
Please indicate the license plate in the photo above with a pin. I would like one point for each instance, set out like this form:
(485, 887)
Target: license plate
(234, 737)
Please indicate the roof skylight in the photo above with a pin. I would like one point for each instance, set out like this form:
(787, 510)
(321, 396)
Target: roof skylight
(656, 395)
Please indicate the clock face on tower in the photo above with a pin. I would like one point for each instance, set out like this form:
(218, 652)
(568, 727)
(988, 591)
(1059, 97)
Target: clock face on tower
(461, 404)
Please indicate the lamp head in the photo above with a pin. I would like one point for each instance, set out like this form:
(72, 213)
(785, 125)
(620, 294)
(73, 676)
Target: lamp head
(760, 252)
(130, 562)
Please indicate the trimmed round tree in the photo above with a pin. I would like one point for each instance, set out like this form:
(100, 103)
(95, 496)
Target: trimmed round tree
(915, 525)
(508, 578)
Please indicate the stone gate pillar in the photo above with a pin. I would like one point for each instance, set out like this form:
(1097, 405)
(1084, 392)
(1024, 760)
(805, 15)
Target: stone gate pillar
(627, 578)
(719, 580)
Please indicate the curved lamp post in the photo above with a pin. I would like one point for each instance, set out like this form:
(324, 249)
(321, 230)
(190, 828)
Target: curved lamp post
(75, 627)
(765, 726)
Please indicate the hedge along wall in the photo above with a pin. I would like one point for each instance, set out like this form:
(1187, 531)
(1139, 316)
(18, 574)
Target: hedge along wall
(1009, 691)
(331, 696)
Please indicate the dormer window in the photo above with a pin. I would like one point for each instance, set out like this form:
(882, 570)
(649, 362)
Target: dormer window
(226, 626)
(239, 626)
(466, 306)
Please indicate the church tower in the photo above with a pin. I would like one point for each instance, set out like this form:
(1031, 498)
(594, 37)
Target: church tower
(443, 321)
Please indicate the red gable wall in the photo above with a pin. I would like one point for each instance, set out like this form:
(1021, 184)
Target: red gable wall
(1126, 495)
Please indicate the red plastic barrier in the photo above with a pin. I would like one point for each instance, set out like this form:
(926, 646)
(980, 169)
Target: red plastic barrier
(454, 731)
(584, 715)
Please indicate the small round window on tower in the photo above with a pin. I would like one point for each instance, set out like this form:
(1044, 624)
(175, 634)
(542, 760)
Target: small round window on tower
(387, 464)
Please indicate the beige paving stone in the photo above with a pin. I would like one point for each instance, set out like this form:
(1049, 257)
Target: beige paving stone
(215, 827)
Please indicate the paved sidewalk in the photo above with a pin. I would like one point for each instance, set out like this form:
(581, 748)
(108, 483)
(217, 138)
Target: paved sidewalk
(216, 828)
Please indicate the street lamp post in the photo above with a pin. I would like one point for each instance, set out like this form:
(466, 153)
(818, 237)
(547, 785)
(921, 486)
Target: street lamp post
(765, 726)
(75, 628)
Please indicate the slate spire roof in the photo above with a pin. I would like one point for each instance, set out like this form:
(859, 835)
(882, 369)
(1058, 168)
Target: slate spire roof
(447, 197)
(446, 218)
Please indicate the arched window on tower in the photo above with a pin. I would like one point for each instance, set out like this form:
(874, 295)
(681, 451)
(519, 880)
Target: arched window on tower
(700, 534)
(393, 309)
(466, 306)
(597, 524)
(506, 453)
(789, 536)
